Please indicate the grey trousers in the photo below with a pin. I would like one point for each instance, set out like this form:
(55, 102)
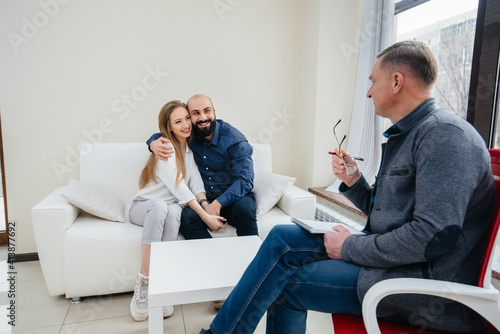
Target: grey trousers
(161, 220)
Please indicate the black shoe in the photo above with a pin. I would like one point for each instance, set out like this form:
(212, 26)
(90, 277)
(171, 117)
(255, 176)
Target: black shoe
(205, 331)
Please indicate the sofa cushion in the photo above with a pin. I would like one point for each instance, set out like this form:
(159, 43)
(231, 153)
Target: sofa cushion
(91, 228)
(262, 160)
(273, 217)
(101, 257)
(268, 190)
(95, 200)
(114, 167)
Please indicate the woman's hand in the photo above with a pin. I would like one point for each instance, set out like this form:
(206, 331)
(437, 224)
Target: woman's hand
(161, 148)
(339, 163)
(215, 222)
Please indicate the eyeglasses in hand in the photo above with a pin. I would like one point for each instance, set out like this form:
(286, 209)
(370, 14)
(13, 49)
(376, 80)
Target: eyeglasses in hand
(350, 168)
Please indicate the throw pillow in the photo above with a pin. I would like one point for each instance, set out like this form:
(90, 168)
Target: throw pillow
(268, 190)
(95, 200)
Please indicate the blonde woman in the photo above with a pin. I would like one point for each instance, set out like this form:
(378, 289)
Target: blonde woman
(163, 187)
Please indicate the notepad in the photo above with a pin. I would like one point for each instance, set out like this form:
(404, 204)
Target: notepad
(319, 227)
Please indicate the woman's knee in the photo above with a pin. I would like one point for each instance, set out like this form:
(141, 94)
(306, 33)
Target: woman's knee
(173, 218)
(156, 215)
(158, 207)
(174, 211)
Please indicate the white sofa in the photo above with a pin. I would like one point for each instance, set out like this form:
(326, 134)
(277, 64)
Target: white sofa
(83, 255)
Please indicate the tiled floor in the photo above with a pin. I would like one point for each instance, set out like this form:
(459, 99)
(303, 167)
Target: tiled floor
(37, 312)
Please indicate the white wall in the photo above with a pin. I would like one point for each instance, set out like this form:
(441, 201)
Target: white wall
(76, 71)
(329, 82)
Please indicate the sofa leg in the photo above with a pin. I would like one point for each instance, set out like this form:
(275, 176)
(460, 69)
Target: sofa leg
(76, 300)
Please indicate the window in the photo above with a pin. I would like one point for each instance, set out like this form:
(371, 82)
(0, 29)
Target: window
(448, 27)
(467, 44)
(496, 111)
(483, 96)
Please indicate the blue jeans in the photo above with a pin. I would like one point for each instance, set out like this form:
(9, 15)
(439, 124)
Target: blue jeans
(290, 274)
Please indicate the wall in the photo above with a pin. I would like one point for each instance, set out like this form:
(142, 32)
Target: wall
(332, 37)
(79, 71)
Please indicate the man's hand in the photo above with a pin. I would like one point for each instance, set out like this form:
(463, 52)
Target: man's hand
(334, 241)
(214, 223)
(161, 148)
(339, 169)
(213, 208)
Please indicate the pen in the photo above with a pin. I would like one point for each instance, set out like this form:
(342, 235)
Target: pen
(355, 157)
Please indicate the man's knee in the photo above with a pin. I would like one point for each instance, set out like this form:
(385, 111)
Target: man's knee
(188, 214)
(245, 206)
(241, 214)
(282, 232)
(192, 226)
(190, 220)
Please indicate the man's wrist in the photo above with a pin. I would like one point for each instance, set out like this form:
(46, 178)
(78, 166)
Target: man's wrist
(217, 203)
(204, 201)
(352, 183)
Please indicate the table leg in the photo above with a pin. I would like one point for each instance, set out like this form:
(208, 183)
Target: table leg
(155, 320)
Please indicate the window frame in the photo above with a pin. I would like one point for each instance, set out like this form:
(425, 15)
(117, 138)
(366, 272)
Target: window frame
(405, 5)
(482, 106)
(4, 236)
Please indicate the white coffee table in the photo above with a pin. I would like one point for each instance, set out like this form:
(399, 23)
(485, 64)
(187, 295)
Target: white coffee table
(193, 271)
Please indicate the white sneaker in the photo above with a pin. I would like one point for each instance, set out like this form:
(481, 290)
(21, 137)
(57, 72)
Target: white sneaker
(139, 303)
(168, 311)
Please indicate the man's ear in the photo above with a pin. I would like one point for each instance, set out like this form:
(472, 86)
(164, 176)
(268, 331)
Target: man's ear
(397, 81)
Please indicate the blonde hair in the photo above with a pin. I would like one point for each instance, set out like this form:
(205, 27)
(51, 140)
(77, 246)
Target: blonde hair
(148, 172)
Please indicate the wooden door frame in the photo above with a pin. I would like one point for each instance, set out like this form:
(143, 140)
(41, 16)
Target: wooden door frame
(4, 236)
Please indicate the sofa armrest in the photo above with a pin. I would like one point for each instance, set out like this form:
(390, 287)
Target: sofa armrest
(298, 203)
(51, 218)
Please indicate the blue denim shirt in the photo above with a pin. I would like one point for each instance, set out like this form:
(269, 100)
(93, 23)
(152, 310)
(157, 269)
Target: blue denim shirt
(225, 163)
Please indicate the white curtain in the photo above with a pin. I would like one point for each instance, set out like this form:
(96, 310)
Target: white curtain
(365, 135)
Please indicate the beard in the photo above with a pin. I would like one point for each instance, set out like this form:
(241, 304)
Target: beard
(205, 132)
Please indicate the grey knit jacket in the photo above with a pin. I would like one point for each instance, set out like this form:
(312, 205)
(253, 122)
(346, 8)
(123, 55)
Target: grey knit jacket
(429, 212)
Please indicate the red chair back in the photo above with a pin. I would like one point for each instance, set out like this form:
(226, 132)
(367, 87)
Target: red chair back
(485, 274)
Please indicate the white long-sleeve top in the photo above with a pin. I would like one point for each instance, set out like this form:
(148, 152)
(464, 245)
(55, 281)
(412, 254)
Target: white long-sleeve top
(166, 172)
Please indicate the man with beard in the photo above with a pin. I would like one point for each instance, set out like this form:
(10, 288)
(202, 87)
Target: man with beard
(224, 158)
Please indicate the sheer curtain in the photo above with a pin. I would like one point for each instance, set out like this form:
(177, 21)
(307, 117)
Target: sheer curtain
(365, 135)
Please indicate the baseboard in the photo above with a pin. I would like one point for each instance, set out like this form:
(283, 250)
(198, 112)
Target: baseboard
(26, 257)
